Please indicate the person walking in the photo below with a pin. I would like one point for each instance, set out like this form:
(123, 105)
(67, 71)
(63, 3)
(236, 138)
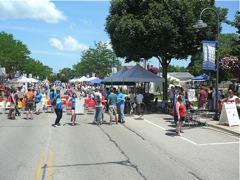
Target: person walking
(106, 94)
(209, 98)
(98, 106)
(132, 101)
(58, 110)
(112, 101)
(16, 100)
(73, 115)
(202, 98)
(52, 96)
(29, 98)
(11, 98)
(139, 100)
(38, 99)
(180, 113)
(120, 106)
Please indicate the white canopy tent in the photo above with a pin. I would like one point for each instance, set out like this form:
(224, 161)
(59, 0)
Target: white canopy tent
(23, 79)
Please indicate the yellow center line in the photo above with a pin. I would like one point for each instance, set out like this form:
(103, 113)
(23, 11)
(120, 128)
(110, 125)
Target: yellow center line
(39, 166)
(50, 170)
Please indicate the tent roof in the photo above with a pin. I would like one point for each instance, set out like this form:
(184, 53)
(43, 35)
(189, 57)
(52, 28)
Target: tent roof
(116, 75)
(202, 77)
(137, 74)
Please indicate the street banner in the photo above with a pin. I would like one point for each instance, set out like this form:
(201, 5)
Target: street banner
(209, 51)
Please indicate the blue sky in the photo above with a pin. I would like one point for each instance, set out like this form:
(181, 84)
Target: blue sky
(56, 32)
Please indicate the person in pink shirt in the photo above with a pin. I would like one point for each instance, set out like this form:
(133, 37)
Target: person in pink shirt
(70, 90)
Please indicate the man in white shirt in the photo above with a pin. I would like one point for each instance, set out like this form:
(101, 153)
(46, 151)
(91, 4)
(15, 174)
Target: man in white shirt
(139, 100)
(98, 106)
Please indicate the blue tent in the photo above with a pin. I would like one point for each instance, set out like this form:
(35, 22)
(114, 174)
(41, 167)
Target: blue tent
(95, 81)
(202, 77)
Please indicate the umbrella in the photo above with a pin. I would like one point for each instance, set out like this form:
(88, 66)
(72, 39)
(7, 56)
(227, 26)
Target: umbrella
(57, 81)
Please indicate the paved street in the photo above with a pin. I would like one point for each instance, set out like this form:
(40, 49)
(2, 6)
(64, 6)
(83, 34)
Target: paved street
(138, 149)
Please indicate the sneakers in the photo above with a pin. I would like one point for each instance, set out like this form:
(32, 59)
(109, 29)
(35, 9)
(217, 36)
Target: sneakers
(54, 125)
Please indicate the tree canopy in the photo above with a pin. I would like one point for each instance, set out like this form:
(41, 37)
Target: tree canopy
(161, 29)
(15, 56)
(98, 60)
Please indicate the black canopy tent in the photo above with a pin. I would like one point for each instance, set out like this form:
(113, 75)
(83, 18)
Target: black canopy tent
(136, 74)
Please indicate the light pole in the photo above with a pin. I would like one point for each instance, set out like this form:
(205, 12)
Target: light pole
(201, 24)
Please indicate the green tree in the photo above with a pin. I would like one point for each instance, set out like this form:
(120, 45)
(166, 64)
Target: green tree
(172, 68)
(161, 29)
(14, 56)
(65, 74)
(13, 53)
(98, 60)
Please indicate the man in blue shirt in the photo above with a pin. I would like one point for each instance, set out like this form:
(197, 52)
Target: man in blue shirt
(120, 106)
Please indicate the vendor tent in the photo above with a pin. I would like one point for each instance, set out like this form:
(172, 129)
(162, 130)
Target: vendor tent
(136, 74)
(94, 80)
(33, 80)
(82, 79)
(115, 75)
(23, 79)
(202, 77)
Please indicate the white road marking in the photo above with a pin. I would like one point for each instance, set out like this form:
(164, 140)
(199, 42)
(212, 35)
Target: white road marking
(208, 144)
(189, 141)
(156, 125)
(211, 144)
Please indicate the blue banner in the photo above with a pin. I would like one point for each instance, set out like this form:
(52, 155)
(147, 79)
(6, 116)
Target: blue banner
(209, 59)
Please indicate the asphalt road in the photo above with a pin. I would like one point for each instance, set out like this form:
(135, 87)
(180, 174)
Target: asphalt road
(139, 149)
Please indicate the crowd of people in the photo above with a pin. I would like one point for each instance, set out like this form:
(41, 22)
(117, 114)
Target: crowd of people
(180, 103)
(108, 100)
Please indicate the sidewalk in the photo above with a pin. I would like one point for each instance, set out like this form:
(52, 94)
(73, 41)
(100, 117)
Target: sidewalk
(225, 127)
(207, 119)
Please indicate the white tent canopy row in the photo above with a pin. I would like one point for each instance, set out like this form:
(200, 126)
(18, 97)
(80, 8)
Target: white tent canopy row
(24, 79)
(82, 79)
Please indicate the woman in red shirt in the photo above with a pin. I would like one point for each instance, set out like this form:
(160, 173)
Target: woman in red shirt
(180, 113)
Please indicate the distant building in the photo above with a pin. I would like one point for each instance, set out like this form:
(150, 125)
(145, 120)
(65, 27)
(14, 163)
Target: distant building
(181, 77)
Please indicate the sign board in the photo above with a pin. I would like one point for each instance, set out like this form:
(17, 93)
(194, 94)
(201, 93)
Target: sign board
(39, 106)
(229, 115)
(79, 106)
(191, 95)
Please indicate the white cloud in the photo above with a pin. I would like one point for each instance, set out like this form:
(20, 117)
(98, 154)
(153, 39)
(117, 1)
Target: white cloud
(31, 9)
(68, 44)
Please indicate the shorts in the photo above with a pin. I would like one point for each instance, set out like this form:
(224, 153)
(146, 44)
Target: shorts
(181, 119)
(29, 106)
(112, 110)
(73, 108)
